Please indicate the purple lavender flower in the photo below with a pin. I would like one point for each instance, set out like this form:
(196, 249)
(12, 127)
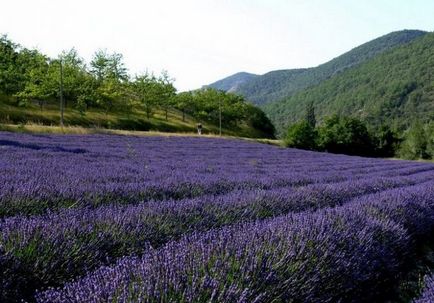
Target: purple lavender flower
(156, 219)
(428, 291)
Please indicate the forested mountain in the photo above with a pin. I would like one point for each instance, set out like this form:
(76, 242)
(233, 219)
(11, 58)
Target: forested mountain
(231, 83)
(272, 85)
(277, 85)
(392, 88)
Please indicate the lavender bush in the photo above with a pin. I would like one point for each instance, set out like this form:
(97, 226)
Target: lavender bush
(196, 219)
(52, 172)
(428, 291)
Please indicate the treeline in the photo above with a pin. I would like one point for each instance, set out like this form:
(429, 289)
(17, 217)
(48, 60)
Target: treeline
(30, 77)
(392, 88)
(352, 136)
(281, 84)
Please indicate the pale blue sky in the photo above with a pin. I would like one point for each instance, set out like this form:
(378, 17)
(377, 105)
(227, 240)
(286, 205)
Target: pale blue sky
(200, 41)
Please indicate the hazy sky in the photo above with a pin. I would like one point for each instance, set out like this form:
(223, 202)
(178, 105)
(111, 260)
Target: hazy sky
(200, 41)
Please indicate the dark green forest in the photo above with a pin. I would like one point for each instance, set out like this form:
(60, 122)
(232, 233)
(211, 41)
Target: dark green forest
(375, 100)
(353, 136)
(31, 85)
(276, 85)
(393, 88)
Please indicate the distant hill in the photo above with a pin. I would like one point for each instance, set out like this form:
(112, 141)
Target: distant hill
(271, 86)
(277, 85)
(232, 83)
(393, 87)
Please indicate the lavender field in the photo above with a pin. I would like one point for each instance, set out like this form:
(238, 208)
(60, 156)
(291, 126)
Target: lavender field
(100, 218)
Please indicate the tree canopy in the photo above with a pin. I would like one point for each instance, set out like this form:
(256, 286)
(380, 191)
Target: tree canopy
(28, 76)
(391, 88)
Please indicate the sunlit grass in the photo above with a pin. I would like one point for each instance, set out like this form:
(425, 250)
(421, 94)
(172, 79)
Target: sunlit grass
(33, 119)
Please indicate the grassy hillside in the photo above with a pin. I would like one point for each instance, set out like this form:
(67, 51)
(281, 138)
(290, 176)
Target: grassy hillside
(393, 87)
(103, 94)
(277, 85)
(10, 113)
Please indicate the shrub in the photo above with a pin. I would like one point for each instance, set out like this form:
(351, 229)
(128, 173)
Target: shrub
(301, 135)
(346, 135)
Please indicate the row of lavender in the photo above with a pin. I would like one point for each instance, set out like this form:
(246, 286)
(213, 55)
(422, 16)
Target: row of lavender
(69, 205)
(73, 241)
(40, 173)
(356, 252)
(428, 292)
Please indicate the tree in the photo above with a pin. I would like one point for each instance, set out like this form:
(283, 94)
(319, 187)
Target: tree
(99, 64)
(30, 76)
(387, 141)
(415, 143)
(39, 84)
(209, 101)
(166, 92)
(257, 119)
(429, 131)
(310, 114)
(108, 66)
(183, 102)
(107, 95)
(144, 87)
(11, 76)
(87, 92)
(234, 109)
(74, 74)
(345, 135)
(301, 135)
(116, 67)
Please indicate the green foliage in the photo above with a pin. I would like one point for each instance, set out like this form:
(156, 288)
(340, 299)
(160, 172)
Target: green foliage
(310, 114)
(108, 66)
(183, 102)
(11, 73)
(28, 77)
(153, 91)
(301, 135)
(345, 135)
(429, 131)
(273, 85)
(110, 95)
(389, 88)
(257, 119)
(38, 84)
(386, 140)
(415, 144)
(280, 84)
(209, 102)
(166, 92)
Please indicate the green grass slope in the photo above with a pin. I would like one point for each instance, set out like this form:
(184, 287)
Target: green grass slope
(393, 87)
(277, 85)
(12, 114)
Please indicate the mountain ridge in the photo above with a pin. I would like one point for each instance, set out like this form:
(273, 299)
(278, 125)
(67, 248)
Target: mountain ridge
(280, 84)
(393, 88)
(231, 83)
